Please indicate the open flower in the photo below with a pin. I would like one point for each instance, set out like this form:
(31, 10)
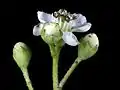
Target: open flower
(67, 22)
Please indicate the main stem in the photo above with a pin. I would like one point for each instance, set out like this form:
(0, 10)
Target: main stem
(55, 73)
(69, 72)
(55, 55)
(27, 79)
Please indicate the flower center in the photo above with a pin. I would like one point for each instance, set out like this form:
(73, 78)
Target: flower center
(64, 15)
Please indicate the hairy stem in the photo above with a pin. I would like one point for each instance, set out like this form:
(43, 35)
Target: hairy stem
(69, 72)
(27, 79)
(55, 51)
(55, 73)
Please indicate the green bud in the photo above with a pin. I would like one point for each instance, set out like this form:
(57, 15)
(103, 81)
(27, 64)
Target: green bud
(21, 54)
(88, 46)
(51, 33)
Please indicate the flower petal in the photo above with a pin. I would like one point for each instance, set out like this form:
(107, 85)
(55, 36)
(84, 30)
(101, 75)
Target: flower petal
(70, 38)
(44, 17)
(37, 29)
(79, 21)
(83, 28)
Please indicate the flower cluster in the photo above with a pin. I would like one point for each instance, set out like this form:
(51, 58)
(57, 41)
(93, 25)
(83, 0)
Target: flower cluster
(56, 29)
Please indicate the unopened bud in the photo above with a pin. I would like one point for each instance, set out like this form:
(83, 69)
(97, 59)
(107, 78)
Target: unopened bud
(21, 55)
(88, 46)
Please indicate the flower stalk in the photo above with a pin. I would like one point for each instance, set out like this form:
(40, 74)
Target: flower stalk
(55, 51)
(27, 79)
(69, 72)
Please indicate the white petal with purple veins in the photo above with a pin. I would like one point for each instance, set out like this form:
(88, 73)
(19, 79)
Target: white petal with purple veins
(79, 21)
(44, 17)
(70, 38)
(83, 28)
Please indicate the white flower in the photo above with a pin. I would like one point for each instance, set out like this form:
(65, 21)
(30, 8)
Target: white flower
(67, 22)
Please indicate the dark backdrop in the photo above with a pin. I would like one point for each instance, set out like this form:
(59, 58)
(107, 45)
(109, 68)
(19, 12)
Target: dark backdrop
(18, 19)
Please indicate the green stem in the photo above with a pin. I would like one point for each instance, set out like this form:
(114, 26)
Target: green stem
(27, 79)
(69, 72)
(55, 55)
(55, 73)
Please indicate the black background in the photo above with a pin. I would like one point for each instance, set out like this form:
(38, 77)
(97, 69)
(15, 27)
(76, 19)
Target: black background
(18, 19)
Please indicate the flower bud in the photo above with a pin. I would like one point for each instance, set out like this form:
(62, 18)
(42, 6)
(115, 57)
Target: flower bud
(21, 55)
(51, 33)
(88, 46)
